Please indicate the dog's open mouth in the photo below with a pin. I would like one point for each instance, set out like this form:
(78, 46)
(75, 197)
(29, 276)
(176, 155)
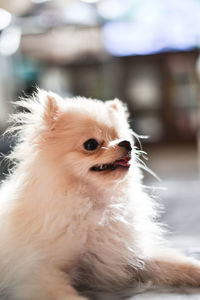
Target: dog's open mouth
(120, 163)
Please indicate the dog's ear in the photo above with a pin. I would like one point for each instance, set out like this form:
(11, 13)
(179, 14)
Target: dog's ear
(118, 106)
(51, 103)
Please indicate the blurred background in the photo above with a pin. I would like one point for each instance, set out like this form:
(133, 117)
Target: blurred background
(145, 52)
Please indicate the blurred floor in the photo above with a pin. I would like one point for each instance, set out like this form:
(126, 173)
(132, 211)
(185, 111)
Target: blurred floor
(173, 162)
(177, 167)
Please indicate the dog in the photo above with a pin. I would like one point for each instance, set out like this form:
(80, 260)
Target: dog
(73, 212)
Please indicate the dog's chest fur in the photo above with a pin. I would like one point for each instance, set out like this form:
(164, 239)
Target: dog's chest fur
(109, 244)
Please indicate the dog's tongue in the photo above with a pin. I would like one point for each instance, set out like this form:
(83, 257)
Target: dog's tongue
(123, 162)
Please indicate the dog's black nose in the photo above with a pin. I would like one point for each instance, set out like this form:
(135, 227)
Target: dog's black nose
(126, 145)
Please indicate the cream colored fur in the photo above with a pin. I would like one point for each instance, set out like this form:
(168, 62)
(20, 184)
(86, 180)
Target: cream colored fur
(63, 225)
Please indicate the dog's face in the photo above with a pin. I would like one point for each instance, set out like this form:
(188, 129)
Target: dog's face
(88, 140)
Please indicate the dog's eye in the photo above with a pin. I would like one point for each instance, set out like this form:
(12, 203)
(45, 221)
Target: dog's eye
(91, 145)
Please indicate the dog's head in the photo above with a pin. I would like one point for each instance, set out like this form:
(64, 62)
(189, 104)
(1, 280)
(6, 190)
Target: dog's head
(87, 140)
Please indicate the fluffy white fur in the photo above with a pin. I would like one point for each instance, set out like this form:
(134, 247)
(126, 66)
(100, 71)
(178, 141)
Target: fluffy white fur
(63, 225)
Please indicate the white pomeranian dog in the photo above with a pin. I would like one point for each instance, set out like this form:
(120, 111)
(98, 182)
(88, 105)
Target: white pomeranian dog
(73, 212)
